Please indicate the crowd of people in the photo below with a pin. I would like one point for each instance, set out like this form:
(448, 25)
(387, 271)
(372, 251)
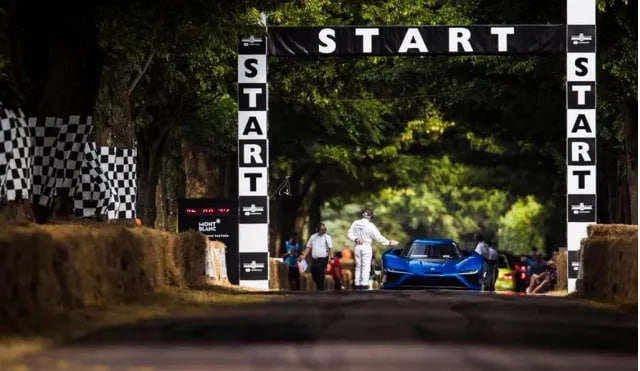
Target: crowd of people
(532, 274)
(324, 261)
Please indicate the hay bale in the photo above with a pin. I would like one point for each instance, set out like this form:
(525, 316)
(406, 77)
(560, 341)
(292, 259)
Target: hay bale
(306, 282)
(560, 260)
(329, 283)
(54, 268)
(278, 275)
(612, 230)
(347, 279)
(193, 245)
(609, 264)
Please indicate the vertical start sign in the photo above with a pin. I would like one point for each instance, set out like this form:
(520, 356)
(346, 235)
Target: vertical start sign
(253, 160)
(581, 127)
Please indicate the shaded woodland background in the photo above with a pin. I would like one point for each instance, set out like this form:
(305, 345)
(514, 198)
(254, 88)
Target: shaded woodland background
(439, 146)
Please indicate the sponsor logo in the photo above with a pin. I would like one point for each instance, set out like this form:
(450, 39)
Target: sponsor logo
(253, 266)
(581, 208)
(251, 41)
(581, 39)
(208, 226)
(253, 210)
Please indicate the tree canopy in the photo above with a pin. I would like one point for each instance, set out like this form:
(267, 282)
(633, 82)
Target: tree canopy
(442, 146)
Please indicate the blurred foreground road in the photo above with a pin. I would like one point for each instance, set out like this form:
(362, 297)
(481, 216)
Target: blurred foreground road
(442, 330)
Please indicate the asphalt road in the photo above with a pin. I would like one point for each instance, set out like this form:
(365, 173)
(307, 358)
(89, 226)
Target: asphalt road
(441, 330)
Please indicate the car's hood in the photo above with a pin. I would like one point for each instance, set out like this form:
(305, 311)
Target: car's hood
(433, 266)
(426, 266)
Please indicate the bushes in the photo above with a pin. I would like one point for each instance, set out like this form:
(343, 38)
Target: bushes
(61, 267)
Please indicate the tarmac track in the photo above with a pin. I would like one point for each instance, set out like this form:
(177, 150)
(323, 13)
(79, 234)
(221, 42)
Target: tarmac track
(372, 330)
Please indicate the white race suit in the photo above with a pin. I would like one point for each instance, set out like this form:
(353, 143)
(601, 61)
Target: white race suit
(366, 232)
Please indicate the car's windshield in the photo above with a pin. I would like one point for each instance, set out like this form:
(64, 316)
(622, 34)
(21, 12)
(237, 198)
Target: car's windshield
(433, 251)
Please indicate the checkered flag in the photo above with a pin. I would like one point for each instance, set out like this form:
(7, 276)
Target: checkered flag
(119, 165)
(15, 159)
(68, 155)
(44, 134)
(94, 194)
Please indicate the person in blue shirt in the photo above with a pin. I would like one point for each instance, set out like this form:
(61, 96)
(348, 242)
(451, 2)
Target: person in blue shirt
(291, 259)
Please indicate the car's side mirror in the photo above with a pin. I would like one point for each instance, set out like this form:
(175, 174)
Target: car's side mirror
(466, 253)
(395, 251)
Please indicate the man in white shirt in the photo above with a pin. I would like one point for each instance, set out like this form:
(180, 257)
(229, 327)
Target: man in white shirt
(363, 233)
(490, 262)
(320, 246)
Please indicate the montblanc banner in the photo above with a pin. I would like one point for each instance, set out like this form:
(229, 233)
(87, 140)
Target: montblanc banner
(418, 40)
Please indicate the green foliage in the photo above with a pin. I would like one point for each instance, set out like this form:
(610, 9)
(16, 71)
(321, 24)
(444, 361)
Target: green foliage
(440, 146)
(522, 227)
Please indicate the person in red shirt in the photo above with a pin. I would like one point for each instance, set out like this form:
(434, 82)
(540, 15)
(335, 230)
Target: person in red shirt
(334, 268)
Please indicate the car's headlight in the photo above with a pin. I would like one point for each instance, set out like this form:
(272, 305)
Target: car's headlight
(469, 271)
(393, 270)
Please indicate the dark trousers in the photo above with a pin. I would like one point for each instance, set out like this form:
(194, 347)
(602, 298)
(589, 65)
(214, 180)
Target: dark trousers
(337, 283)
(318, 266)
(489, 272)
(294, 278)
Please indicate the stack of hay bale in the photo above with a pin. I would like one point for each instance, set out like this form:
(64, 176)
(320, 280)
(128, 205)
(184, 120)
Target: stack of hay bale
(278, 279)
(609, 264)
(56, 268)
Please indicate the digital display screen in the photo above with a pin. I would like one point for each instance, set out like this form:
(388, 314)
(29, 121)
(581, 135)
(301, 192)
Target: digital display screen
(213, 211)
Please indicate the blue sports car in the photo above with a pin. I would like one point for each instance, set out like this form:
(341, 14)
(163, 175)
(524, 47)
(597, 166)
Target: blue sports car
(431, 263)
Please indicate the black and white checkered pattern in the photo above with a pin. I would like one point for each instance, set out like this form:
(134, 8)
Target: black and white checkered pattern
(94, 194)
(44, 134)
(15, 156)
(120, 167)
(42, 157)
(67, 159)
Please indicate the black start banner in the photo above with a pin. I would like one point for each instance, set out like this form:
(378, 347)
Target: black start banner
(419, 40)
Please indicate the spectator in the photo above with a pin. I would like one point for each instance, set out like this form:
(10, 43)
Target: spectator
(320, 246)
(290, 257)
(490, 261)
(544, 281)
(538, 266)
(532, 255)
(335, 270)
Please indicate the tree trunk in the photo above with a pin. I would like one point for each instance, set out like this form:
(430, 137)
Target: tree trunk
(204, 178)
(170, 189)
(315, 211)
(631, 155)
(113, 121)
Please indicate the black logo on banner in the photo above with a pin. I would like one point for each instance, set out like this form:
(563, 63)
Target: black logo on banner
(253, 153)
(581, 39)
(254, 266)
(581, 95)
(581, 208)
(581, 151)
(574, 264)
(252, 97)
(252, 45)
(253, 209)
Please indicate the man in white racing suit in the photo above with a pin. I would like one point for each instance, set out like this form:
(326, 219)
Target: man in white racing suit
(363, 232)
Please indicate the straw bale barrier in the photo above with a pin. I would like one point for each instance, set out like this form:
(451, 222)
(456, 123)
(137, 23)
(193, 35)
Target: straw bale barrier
(609, 264)
(54, 268)
(278, 277)
(560, 260)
